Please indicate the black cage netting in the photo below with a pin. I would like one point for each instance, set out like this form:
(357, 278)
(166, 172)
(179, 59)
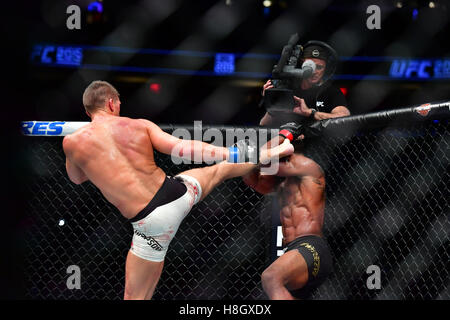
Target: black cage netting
(387, 205)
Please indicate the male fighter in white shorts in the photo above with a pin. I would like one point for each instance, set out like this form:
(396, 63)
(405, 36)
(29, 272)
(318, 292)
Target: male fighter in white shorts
(116, 154)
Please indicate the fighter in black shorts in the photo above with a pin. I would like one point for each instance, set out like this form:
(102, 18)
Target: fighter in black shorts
(300, 184)
(307, 261)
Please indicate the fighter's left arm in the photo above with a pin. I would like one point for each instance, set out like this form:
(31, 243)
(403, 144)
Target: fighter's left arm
(185, 149)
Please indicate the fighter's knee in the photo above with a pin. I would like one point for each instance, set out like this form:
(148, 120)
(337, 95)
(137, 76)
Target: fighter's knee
(131, 294)
(271, 277)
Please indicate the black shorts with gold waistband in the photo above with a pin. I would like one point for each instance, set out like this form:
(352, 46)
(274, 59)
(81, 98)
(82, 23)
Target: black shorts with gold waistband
(317, 255)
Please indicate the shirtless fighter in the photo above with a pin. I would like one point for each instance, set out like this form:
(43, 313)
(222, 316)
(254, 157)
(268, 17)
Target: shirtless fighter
(300, 187)
(116, 154)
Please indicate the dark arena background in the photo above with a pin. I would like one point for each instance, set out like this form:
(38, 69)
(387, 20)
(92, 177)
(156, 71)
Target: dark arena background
(175, 62)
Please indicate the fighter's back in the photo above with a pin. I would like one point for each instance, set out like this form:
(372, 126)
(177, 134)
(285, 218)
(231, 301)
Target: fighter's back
(116, 155)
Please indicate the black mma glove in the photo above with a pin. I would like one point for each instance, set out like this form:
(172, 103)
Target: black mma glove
(291, 130)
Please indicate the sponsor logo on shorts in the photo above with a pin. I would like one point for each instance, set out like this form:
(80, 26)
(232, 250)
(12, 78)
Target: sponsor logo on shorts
(150, 241)
(316, 258)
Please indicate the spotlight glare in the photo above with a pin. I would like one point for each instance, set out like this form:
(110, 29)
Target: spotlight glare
(267, 3)
(432, 5)
(344, 90)
(95, 6)
(155, 87)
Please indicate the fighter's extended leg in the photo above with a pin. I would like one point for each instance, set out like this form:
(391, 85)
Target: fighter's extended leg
(210, 177)
(141, 277)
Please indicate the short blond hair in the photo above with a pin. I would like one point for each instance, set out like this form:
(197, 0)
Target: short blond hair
(96, 95)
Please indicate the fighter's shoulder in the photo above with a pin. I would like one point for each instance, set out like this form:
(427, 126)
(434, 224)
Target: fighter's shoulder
(136, 124)
(145, 122)
(74, 140)
(78, 134)
(149, 126)
(301, 160)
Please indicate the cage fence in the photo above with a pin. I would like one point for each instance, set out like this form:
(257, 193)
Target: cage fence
(387, 205)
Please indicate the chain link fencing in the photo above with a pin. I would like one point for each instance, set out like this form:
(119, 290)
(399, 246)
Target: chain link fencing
(387, 205)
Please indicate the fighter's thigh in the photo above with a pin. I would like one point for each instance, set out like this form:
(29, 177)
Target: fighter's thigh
(292, 268)
(206, 176)
(140, 276)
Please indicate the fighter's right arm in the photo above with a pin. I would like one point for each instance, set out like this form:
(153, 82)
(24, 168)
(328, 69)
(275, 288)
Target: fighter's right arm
(186, 149)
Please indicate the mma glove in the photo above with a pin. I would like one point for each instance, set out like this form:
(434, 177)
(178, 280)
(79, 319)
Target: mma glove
(291, 130)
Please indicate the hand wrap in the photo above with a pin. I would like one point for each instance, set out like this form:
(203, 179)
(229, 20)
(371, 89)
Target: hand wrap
(244, 151)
